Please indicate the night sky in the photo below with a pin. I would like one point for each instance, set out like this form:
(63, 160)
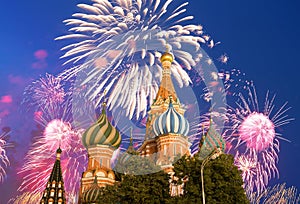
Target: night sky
(260, 38)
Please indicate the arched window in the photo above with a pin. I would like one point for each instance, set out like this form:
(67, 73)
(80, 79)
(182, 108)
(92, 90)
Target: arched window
(60, 193)
(59, 184)
(53, 184)
(60, 201)
(45, 193)
(52, 192)
(50, 201)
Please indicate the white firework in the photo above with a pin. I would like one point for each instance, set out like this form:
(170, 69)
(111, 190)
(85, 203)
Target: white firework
(4, 160)
(116, 45)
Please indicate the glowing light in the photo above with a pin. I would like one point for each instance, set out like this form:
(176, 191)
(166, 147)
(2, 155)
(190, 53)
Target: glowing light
(253, 133)
(36, 169)
(258, 131)
(114, 50)
(53, 111)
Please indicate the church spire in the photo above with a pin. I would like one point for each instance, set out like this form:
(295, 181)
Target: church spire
(130, 147)
(166, 88)
(55, 192)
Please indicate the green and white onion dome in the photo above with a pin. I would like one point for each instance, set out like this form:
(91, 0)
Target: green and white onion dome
(101, 133)
(92, 194)
(171, 122)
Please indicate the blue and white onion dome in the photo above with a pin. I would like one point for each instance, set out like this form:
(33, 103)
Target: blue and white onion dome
(102, 133)
(171, 122)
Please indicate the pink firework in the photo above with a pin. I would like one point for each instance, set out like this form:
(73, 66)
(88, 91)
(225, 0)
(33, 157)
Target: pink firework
(253, 133)
(252, 172)
(37, 169)
(47, 92)
(51, 99)
(258, 131)
(59, 131)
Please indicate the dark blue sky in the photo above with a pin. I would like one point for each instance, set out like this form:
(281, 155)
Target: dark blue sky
(260, 38)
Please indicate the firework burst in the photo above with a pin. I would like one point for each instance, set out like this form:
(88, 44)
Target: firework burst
(36, 169)
(278, 194)
(254, 133)
(251, 134)
(27, 197)
(55, 117)
(117, 46)
(47, 91)
(4, 160)
(253, 172)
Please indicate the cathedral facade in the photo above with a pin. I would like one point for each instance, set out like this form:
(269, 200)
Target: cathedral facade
(166, 137)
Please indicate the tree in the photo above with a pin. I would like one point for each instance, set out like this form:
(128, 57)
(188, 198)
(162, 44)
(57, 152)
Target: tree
(222, 180)
(140, 181)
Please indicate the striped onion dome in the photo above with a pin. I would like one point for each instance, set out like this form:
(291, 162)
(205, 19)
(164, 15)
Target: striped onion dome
(92, 194)
(102, 133)
(170, 122)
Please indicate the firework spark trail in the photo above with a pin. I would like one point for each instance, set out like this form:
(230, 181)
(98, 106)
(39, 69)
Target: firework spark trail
(47, 92)
(34, 198)
(253, 172)
(36, 169)
(277, 194)
(4, 160)
(253, 133)
(27, 197)
(55, 114)
(114, 39)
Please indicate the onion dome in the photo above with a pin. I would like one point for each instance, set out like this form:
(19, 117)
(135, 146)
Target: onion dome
(170, 122)
(211, 141)
(102, 133)
(92, 194)
(166, 57)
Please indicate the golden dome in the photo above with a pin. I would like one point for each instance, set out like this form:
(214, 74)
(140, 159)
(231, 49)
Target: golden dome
(166, 57)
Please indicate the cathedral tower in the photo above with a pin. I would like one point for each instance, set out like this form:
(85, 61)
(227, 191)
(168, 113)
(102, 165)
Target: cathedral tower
(100, 140)
(55, 192)
(166, 127)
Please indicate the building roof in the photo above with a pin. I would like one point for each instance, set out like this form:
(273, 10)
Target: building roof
(102, 133)
(55, 192)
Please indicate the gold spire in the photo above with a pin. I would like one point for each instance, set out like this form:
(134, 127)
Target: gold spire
(58, 153)
(167, 58)
(166, 88)
(104, 99)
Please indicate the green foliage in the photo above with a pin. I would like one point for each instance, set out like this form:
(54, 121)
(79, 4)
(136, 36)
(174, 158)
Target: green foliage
(222, 180)
(140, 181)
(151, 188)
